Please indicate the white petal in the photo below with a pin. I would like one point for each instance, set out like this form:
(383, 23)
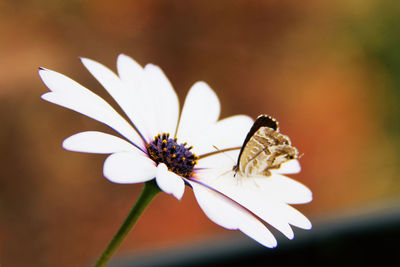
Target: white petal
(230, 215)
(128, 98)
(279, 187)
(284, 188)
(107, 78)
(221, 162)
(97, 142)
(200, 110)
(130, 72)
(164, 100)
(169, 182)
(129, 167)
(262, 197)
(289, 167)
(226, 133)
(142, 97)
(297, 219)
(68, 93)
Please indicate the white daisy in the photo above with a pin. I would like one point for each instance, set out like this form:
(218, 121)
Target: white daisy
(151, 147)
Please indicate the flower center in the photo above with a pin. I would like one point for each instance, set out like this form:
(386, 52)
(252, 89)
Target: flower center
(177, 157)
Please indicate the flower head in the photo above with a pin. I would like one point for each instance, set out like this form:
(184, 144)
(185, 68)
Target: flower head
(158, 142)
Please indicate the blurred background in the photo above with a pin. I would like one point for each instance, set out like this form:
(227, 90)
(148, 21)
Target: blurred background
(328, 71)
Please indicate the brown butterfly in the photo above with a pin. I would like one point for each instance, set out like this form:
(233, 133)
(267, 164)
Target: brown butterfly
(264, 149)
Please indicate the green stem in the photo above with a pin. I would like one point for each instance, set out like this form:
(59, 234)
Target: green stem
(149, 191)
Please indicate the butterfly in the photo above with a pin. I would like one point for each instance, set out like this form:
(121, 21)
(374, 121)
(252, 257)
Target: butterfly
(264, 149)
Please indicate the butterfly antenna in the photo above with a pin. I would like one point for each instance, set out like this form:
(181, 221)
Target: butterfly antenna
(233, 161)
(219, 150)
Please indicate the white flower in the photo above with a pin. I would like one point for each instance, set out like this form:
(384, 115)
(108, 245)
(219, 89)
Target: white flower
(152, 147)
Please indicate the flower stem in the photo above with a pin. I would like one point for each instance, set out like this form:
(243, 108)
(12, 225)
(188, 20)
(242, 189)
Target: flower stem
(150, 190)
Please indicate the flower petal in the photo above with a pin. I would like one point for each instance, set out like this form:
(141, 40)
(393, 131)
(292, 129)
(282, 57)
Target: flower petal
(289, 167)
(130, 72)
(200, 110)
(126, 97)
(164, 100)
(265, 197)
(97, 142)
(139, 105)
(284, 188)
(169, 182)
(142, 98)
(68, 93)
(223, 162)
(226, 133)
(278, 186)
(296, 218)
(230, 215)
(129, 167)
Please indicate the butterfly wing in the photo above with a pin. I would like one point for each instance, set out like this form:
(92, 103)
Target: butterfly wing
(261, 121)
(264, 148)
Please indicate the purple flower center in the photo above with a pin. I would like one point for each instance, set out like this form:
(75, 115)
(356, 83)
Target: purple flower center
(177, 157)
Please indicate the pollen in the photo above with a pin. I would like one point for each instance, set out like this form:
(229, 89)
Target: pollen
(178, 157)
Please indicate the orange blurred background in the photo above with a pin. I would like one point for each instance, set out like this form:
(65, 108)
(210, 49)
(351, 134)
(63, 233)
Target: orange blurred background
(328, 71)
